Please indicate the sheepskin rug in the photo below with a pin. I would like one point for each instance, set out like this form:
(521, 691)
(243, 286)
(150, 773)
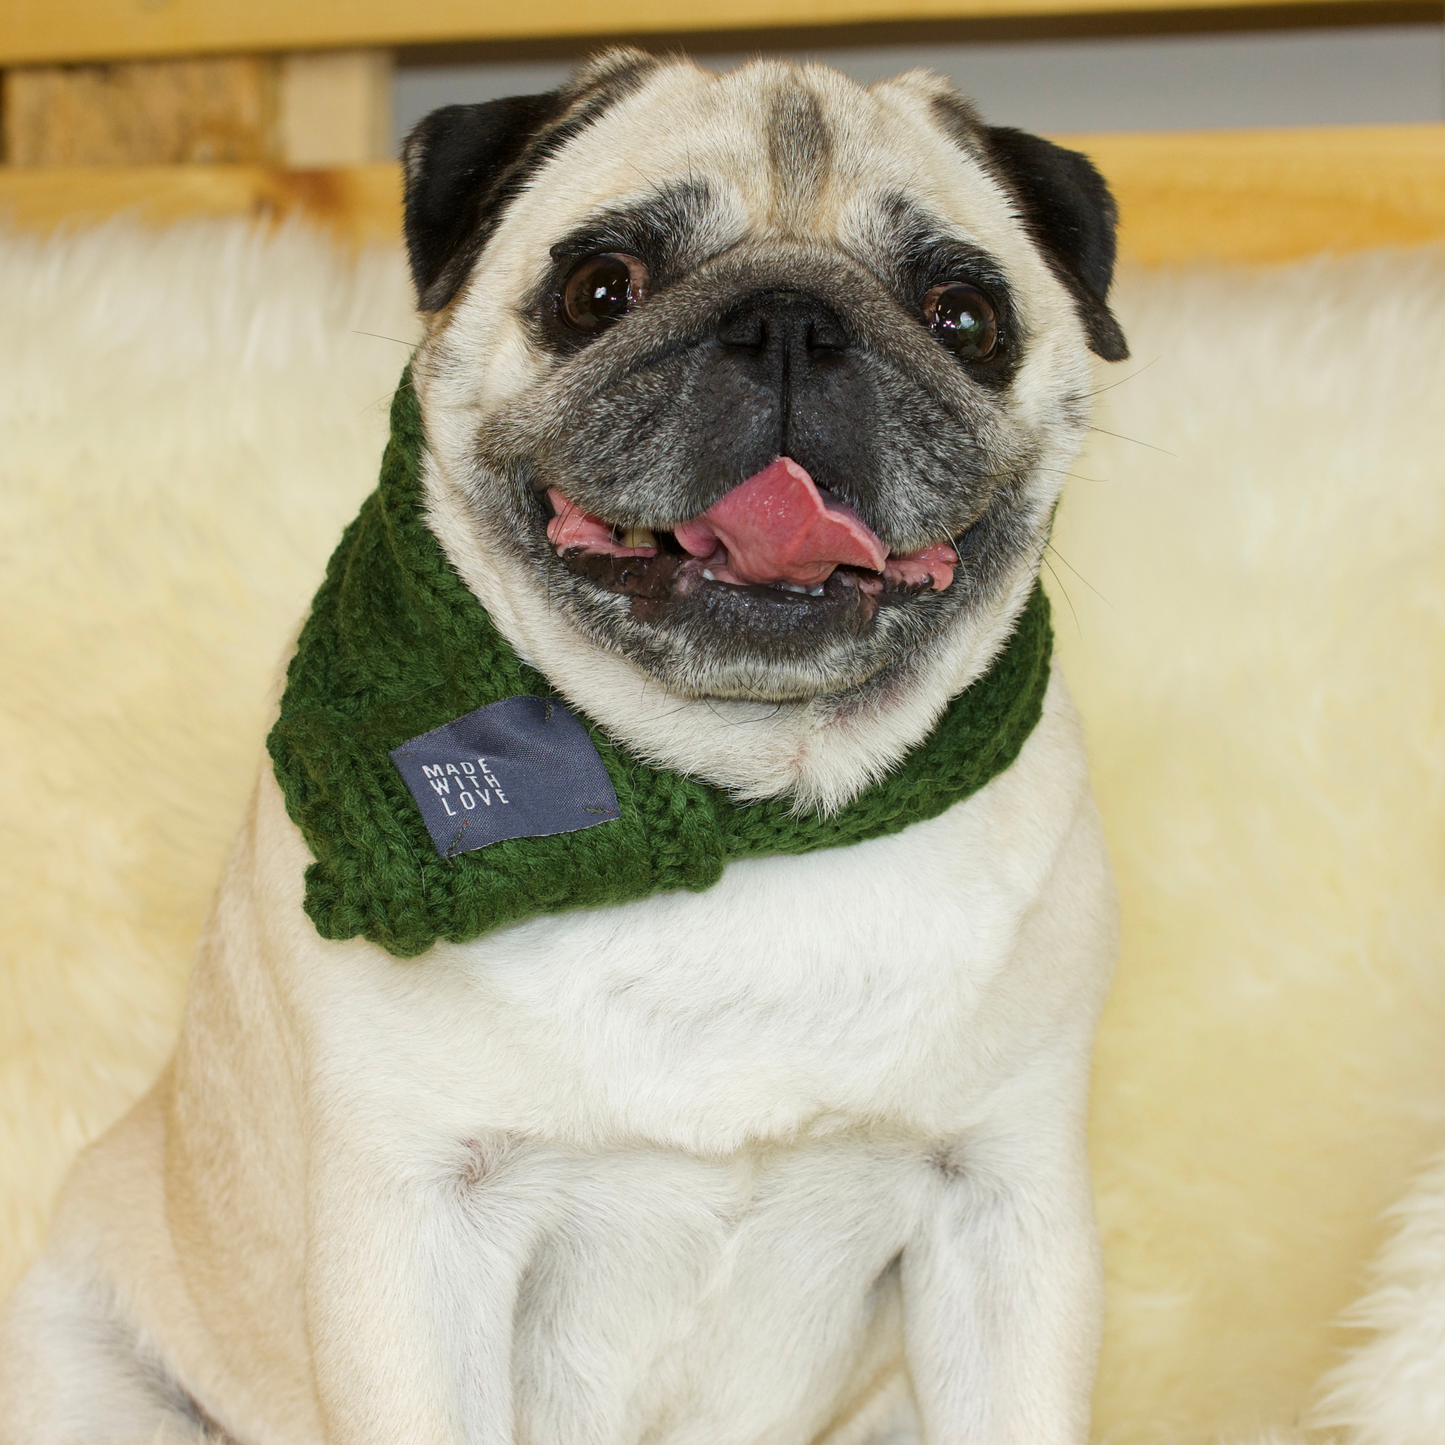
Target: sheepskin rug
(1249, 584)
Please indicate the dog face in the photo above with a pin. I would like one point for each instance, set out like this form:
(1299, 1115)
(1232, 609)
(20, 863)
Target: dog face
(766, 382)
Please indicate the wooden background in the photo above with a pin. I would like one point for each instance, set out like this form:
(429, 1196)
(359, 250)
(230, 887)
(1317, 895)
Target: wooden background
(277, 108)
(1254, 196)
(39, 31)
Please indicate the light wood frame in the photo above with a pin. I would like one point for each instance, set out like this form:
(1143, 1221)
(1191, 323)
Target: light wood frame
(46, 31)
(1237, 196)
(1246, 196)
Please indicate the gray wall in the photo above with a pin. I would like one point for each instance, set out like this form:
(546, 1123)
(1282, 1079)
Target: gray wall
(1350, 76)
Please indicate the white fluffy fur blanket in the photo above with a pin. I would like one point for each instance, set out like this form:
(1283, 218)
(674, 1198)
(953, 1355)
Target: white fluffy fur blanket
(1250, 595)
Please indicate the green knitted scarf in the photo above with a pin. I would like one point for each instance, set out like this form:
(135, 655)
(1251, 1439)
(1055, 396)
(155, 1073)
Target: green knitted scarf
(396, 645)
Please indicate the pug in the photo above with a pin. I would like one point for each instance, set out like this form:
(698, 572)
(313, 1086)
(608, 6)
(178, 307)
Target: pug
(744, 407)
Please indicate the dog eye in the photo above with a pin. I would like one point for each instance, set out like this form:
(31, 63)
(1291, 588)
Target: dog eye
(963, 319)
(603, 289)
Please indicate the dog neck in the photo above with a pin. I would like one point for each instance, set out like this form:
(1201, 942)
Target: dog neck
(822, 752)
(399, 653)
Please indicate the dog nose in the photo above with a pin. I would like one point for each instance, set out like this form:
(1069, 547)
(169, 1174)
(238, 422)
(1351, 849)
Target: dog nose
(782, 325)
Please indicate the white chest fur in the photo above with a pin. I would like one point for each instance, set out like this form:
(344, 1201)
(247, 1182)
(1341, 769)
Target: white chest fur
(865, 986)
(641, 1142)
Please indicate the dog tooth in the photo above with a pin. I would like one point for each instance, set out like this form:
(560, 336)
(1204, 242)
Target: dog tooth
(639, 537)
(815, 591)
(706, 573)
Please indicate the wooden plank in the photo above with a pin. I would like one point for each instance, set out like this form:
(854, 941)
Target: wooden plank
(40, 31)
(307, 110)
(336, 108)
(359, 203)
(1231, 196)
(142, 112)
(1273, 195)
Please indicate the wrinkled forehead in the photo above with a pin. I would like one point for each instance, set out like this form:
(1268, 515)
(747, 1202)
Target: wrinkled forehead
(778, 150)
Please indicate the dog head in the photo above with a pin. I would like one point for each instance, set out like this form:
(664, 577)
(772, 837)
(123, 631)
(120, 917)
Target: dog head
(762, 384)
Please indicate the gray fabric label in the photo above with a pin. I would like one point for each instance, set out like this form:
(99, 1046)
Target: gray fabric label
(520, 768)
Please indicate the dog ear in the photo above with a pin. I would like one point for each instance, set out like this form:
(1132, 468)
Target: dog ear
(1072, 218)
(460, 166)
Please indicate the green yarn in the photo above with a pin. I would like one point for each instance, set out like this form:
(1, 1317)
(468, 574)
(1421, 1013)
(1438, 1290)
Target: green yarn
(396, 645)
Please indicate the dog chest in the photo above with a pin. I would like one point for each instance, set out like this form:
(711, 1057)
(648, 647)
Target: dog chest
(660, 1296)
(800, 994)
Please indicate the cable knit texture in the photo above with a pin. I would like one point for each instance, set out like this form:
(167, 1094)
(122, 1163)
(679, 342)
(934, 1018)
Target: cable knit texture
(396, 645)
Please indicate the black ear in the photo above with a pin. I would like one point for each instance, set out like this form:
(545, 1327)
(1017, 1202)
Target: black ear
(461, 165)
(1072, 218)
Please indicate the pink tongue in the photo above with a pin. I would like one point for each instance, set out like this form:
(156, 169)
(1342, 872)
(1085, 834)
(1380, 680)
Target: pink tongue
(777, 527)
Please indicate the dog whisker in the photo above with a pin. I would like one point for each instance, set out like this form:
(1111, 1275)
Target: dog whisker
(410, 345)
(1120, 382)
(1065, 592)
(1103, 431)
(1050, 546)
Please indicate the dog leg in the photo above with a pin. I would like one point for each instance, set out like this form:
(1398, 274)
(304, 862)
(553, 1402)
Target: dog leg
(1003, 1294)
(73, 1372)
(1003, 1291)
(889, 1418)
(411, 1292)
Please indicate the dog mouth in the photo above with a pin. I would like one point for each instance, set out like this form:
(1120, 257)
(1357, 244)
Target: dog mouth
(775, 537)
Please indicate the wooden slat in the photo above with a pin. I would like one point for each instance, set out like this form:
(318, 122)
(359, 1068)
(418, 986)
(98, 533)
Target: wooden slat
(1273, 195)
(144, 112)
(361, 203)
(336, 107)
(39, 31)
(306, 110)
(1250, 196)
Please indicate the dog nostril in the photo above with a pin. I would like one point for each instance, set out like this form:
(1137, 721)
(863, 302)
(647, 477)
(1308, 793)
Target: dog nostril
(826, 335)
(784, 326)
(744, 333)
